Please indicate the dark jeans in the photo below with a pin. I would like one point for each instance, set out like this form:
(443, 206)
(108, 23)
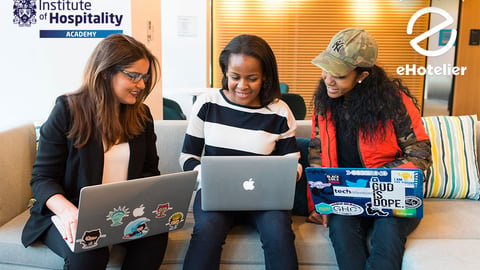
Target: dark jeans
(349, 237)
(211, 229)
(142, 253)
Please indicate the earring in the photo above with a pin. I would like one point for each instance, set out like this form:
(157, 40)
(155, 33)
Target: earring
(359, 81)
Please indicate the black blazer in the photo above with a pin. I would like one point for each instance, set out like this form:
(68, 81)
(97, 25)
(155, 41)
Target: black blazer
(60, 168)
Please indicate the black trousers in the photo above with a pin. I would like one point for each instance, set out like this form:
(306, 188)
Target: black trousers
(142, 253)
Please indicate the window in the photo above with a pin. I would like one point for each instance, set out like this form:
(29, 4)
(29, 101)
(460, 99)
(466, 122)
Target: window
(299, 30)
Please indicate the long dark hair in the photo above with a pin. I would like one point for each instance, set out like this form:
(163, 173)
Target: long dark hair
(93, 104)
(369, 105)
(254, 46)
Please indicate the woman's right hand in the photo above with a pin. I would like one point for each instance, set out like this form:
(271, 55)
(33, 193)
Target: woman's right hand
(67, 212)
(317, 218)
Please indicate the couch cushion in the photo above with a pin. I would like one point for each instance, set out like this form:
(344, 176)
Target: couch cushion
(449, 219)
(423, 254)
(243, 246)
(18, 153)
(38, 255)
(454, 172)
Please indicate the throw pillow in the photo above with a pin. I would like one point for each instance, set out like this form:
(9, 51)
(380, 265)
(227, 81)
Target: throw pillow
(454, 172)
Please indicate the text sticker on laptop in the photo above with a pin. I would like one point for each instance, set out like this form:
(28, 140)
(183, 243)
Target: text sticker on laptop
(379, 192)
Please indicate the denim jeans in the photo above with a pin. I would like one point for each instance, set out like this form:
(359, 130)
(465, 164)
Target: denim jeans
(211, 229)
(349, 236)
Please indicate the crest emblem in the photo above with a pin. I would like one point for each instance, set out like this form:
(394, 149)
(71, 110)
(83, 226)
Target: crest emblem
(24, 12)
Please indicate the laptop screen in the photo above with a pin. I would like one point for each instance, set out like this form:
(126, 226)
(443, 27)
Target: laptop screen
(373, 192)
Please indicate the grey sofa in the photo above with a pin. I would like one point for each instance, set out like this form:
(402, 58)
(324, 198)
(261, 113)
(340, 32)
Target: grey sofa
(447, 238)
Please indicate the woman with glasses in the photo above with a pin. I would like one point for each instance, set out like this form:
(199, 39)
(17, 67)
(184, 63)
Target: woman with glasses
(101, 133)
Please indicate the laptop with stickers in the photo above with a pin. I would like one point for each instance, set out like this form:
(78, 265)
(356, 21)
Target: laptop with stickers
(118, 212)
(372, 192)
(238, 183)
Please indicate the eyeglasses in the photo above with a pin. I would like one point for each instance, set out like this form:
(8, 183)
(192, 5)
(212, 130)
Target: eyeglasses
(136, 77)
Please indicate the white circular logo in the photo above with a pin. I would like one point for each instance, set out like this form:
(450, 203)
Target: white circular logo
(448, 21)
(412, 202)
(346, 209)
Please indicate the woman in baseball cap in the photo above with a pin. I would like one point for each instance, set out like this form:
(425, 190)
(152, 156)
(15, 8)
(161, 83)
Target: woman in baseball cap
(364, 119)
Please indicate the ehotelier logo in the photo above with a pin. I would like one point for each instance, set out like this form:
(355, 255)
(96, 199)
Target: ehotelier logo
(445, 69)
(66, 13)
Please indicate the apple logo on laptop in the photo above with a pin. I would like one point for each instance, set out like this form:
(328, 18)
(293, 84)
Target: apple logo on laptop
(249, 184)
(139, 211)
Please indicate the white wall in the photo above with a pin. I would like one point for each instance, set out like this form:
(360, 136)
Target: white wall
(184, 49)
(36, 70)
(439, 87)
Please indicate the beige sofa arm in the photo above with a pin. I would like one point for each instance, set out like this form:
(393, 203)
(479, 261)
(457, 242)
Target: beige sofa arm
(17, 154)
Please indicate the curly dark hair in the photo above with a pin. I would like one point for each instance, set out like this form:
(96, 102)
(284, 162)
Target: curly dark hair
(369, 106)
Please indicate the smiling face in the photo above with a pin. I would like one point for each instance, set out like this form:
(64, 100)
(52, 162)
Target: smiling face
(340, 86)
(124, 89)
(245, 77)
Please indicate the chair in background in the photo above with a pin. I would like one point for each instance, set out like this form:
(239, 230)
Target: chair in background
(296, 104)
(284, 87)
(172, 110)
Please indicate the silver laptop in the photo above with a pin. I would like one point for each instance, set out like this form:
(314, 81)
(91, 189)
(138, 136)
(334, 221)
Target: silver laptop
(239, 183)
(123, 211)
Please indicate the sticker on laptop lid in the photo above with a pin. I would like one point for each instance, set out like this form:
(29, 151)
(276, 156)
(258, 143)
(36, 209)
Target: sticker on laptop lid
(90, 238)
(408, 178)
(161, 210)
(139, 211)
(388, 195)
(136, 228)
(174, 220)
(323, 208)
(346, 209)
(413, 201)
(117, 215)
(374, 211)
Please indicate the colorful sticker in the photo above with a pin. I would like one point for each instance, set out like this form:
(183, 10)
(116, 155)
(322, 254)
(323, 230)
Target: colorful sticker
(161, 210)
(174, 220)
(117, 215)
(90, 238)
(136, 228)
(323, 208)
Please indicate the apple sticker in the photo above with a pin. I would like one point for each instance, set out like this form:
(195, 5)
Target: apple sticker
(139, 211)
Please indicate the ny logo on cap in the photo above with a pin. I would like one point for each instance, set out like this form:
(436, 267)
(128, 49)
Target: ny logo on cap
(338, 45)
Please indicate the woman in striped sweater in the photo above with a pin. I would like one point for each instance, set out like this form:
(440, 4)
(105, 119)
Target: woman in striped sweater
(245, 117)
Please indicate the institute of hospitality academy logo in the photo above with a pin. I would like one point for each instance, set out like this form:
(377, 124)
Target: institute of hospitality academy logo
(24, 12)
(68, 15)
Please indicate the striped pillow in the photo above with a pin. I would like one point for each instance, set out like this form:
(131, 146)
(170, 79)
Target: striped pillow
(454, 172)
